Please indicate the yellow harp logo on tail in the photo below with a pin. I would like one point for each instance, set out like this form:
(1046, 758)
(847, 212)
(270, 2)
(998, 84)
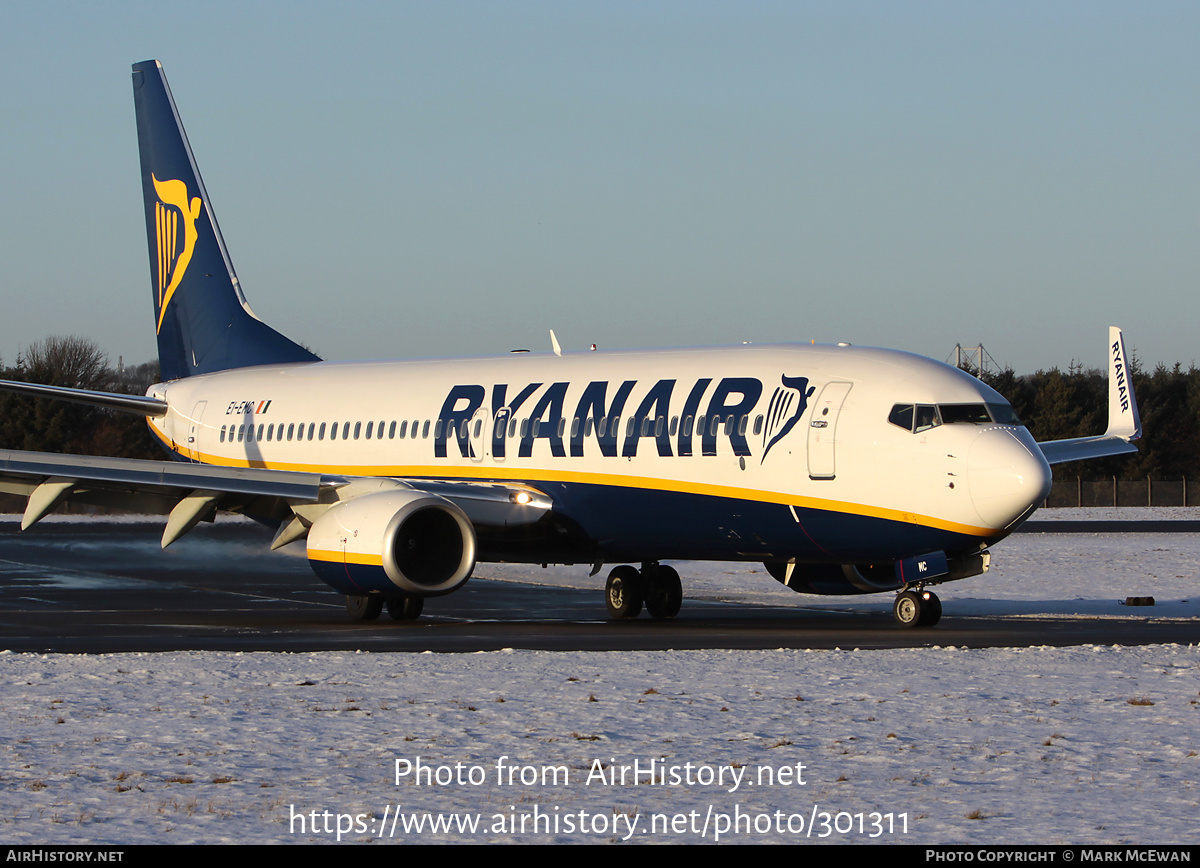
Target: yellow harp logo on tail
(175, 221)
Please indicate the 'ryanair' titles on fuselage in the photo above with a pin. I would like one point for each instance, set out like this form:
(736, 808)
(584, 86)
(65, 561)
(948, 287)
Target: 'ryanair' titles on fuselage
(673, 414)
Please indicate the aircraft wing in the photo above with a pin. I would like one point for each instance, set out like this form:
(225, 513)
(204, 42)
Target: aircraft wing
(1082, 448)
(191, 493)
(1124, 422)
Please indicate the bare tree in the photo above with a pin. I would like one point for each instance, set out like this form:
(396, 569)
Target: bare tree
(65, 360)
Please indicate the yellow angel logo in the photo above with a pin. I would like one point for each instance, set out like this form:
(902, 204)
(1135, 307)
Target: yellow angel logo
(174, 253)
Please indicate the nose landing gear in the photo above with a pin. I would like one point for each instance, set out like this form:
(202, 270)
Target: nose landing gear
(917, 608)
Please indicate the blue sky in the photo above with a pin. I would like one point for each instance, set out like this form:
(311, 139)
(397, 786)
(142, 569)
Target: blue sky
(456, 178)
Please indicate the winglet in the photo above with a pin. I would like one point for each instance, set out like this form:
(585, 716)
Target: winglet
(1123, 418)
(1124, 423)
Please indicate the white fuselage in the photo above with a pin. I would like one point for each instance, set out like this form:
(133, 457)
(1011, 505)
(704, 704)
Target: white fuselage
(801, 431)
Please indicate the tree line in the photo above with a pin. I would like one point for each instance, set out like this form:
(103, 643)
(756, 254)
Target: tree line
(1057, 405)
(41, 425)
(1054, 404)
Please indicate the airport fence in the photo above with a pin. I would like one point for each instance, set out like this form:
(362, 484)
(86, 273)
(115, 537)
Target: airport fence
(1067, 491)
(1077, 491)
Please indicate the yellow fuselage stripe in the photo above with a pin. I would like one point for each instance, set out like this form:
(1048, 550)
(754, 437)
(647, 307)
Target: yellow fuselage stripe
(541, 474)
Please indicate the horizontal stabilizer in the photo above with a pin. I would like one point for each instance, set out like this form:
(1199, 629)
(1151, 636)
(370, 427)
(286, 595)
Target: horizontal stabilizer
(138, 404)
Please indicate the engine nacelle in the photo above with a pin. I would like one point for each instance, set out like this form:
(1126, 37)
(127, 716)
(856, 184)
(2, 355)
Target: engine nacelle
(834, 578)
(393, 541)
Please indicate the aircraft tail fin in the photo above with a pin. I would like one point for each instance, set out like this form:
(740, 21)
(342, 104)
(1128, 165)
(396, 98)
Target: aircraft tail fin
(203, 321)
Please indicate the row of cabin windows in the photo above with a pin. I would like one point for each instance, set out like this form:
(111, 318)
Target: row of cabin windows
(317, 431)
(279, 431)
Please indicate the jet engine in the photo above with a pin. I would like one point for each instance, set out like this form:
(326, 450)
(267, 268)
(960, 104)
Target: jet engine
(398, 540)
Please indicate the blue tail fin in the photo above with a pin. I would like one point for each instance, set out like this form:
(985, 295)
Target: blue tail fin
(202, 318)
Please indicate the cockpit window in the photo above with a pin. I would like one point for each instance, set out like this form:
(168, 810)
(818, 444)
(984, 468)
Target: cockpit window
(921, 417)
(902, 415)
(976, 414)
(927, 417)
(1004, 414)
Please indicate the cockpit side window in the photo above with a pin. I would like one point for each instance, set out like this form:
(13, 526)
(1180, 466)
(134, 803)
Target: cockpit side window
(902, 416)
(926, 418)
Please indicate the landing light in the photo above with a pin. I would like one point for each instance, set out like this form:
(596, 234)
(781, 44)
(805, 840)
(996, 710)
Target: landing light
(521, 497)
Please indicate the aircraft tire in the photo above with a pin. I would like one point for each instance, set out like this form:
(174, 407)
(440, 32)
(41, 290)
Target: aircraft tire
(931, 611)
(664, 593)
(623, 593)
(908, 609)
(406, 608)
(363, 608)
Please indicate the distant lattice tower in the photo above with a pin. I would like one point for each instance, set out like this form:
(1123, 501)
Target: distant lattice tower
(974, 358)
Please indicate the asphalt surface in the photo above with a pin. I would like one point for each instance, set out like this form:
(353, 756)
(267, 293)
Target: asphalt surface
(95, 586)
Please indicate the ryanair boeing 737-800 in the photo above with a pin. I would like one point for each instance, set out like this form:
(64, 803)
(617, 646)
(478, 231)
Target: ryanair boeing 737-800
(844, 470)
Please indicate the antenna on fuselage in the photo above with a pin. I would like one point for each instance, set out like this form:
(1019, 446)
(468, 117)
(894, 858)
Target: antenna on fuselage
(554, 344)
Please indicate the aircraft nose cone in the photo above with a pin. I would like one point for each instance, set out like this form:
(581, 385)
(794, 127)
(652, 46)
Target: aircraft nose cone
(1008, 475)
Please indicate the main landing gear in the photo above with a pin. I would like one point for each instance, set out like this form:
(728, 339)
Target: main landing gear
(367, 608)
(917, 608)
(655, 585)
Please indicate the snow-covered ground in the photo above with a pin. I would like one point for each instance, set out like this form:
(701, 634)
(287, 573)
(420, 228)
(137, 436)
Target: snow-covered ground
(1042, 745)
